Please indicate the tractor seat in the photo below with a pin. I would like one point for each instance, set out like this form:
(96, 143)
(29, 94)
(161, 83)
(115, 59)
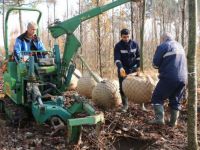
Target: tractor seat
(46, 61)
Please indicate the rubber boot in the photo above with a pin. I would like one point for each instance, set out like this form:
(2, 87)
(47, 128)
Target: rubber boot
(125, 104)
(143, 108)
(174, 117)
(159, 112)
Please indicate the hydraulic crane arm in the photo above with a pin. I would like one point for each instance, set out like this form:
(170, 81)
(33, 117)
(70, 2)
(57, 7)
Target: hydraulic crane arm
(69, 26)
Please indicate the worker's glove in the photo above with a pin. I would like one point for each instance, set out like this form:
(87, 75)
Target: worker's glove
(122, 73)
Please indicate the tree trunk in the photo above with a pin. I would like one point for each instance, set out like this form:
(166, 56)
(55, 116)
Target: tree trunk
(54, 10)
(142, 36)
(137, 24)
(99, 45)
(183, 25)
(155, 30)
(48, 36)
(67, 11)
(192, 79)
(20, 18)
(99, 42)
(163, 18)
(20, 22)
(3, 16)
(81, 32)
(113, 28)
(113, 40)
(132, 21)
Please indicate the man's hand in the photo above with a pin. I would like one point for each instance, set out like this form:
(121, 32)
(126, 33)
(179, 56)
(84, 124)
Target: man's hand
(25, 58)
(123, 73)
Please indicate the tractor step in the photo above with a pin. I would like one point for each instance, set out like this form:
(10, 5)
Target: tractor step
(75, 126)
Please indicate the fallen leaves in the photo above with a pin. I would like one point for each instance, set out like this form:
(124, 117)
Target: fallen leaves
(120, 131)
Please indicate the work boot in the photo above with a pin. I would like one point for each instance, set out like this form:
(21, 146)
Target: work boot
(174, 117)
(125, 104)
(159, 112)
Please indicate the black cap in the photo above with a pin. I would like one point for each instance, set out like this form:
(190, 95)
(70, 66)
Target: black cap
(125, 32)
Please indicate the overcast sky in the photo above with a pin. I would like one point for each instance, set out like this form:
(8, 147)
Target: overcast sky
(13, 23)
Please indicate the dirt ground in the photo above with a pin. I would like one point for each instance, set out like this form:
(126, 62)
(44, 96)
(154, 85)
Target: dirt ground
(121, 131)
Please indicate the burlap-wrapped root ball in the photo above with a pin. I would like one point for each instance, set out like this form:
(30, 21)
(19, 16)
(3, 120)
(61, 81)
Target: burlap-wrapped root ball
(138, 89)
(85, 85)
(74, 80)
(106, 94)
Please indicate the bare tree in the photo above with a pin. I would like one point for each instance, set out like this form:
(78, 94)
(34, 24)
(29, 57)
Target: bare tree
(3, 16)
(142, 35)
(20, 17)
(81, 31)
(192, 80)
(54, 7)
(183, 24)
(67, 6)
(132, 19)
(19, 3)
(99, 41)
(48, 22)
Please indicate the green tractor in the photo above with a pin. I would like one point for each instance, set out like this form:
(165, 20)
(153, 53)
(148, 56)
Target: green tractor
(37, 85)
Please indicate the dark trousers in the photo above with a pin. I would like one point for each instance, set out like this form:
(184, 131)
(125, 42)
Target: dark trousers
(169, 89)
(124, 98)
(120, 86)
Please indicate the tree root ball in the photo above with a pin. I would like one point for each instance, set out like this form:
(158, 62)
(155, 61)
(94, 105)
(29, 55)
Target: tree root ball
(86, 85)
(74, 80)
(138, 89)
(106, 94)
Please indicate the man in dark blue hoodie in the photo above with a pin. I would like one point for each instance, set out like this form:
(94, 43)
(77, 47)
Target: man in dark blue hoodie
(127, 60)
(170, 60)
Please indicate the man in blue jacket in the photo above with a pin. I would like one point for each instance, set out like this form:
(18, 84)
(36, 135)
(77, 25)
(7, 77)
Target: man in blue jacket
(127, 60)
(27, 42)
(170, 60)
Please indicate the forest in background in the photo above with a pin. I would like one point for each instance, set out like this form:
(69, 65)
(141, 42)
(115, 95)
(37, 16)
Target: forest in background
(98, 37)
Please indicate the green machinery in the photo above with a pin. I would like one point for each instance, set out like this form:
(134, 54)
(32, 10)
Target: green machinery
(37, 85)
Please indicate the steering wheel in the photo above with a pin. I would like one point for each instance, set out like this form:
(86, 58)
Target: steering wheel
(35, 53)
